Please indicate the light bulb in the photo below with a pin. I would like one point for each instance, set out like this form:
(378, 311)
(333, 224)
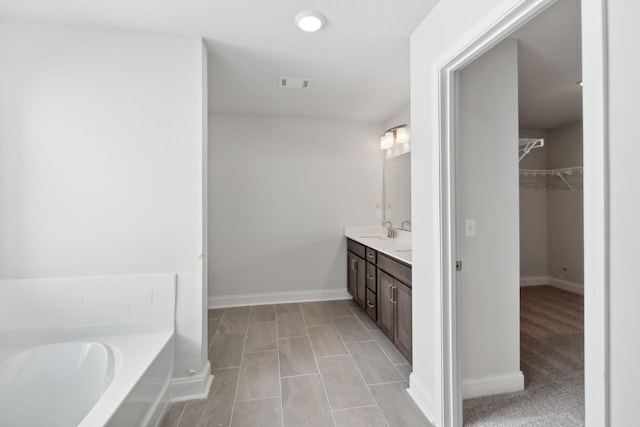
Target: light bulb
(402, 136)
(309, 21)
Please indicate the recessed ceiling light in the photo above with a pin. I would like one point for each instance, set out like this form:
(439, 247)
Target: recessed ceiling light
(309, 21)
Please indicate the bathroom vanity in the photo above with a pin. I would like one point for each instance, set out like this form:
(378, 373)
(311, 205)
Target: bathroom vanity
(379, 279)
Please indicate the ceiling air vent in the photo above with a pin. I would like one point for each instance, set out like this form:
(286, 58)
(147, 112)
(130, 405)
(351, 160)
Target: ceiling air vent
(294, 83)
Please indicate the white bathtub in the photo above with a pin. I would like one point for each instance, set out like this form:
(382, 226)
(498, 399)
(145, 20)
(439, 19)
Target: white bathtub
(114, 381)
(65, 379)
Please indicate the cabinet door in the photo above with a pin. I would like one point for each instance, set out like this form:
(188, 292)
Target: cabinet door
(402, 304)
(352, 274)
(385, 303)
(361, 282)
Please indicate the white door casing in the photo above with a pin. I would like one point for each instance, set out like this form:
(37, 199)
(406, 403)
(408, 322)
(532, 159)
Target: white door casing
(490, 32)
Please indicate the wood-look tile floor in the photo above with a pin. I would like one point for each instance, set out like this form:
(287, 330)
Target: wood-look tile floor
(306, 365)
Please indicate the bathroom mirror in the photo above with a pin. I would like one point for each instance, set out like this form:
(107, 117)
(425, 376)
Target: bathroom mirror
(397, 190)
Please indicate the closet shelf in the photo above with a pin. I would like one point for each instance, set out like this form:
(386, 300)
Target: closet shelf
(549, 173)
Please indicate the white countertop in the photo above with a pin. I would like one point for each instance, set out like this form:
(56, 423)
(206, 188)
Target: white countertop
(376, 238)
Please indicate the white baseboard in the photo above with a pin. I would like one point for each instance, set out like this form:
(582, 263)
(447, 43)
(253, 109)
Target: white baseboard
(534, 281)
(495, 384)
(424, 399)
(278, 297)
(576, 288)
(193, 387)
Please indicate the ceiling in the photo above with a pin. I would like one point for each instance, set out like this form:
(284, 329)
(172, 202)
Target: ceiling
(358, 63)
(549, 66)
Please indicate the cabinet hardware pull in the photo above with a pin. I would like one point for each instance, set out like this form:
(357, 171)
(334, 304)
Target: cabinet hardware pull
(390, 290)
(353, 264)
(393, 291)
(369, 255)
(370, 277)
(369, 304)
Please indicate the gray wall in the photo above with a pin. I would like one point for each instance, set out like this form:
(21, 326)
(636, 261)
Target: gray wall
(565, 208)
(533, 214)
(551, 220)
(281, 191)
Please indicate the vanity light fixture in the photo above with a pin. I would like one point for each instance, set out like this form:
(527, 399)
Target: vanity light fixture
(397, 134)
(386, 140)
(402, 136)
(310, 21)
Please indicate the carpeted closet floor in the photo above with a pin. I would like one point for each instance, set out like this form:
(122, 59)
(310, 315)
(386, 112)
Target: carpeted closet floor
(552, 360)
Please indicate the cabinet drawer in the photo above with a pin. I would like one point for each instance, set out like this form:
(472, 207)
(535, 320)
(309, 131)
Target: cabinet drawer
(371, 277)
(395, 268)
(356, 248)
(371, 255)
(370, 305)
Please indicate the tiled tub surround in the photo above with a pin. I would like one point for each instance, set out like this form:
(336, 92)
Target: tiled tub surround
(132, 315)
(87, 301)
(375, 237)
(307, 364)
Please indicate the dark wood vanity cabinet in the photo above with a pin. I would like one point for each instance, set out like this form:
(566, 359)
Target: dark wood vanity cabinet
(403, 320)
(357, 278)
(394, 310)
(362, 278)
(357, 272)
(381, 285)
(385, 305)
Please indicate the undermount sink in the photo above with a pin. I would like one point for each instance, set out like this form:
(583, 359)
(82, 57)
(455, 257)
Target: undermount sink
(374, 237)
(403, 250)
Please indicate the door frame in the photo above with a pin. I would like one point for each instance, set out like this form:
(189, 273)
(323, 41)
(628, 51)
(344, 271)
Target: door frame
(490, 31)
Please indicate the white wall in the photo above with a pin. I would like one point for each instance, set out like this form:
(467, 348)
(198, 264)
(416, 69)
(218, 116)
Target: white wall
(565, 207)
(101, 160)
(624, 175)
(488, 194)
(281, 191)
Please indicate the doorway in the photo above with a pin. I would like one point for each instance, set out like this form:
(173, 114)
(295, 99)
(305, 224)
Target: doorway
(520, 114)
(594, 208)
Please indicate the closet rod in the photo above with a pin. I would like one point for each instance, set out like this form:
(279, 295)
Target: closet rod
(551, 172)
(560, 173)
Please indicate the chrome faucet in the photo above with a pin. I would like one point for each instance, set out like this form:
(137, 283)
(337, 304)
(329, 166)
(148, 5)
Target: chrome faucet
(405, 222)
(391, 232)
